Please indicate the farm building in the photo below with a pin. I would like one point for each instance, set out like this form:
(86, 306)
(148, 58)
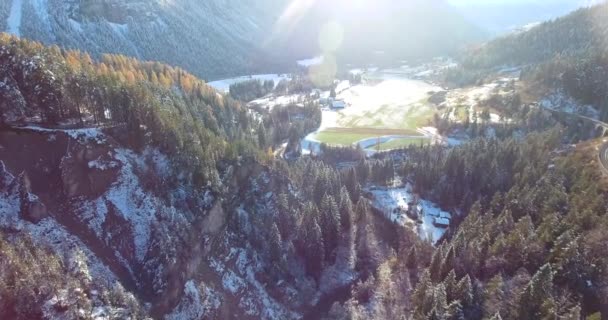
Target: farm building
(441, 222)
(338, 104)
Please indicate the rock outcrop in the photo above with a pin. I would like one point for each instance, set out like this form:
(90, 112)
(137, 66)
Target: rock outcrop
(12, 103)
(88, 170)
(6, 178)
(32, 209)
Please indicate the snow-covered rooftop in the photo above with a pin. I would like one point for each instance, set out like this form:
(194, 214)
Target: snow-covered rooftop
(387, 200)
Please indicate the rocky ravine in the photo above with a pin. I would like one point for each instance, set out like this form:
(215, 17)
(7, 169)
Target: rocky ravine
(81, 191)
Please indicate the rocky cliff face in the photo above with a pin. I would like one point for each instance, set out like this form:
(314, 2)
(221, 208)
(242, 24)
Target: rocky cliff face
(80, 190)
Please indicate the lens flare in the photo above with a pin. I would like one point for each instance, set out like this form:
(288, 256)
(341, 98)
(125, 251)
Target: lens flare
(331, 37)
(290, 18)
(323, 74)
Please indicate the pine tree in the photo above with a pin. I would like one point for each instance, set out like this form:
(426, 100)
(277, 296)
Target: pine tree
(451, 286)
(464, 291)
(331, 224)
(315, 249)
(448, 262)
(412, 259)
(262, 142)
(346, 209)
(274, 242)
(351, 182)
(455, 312)
(367, 249)
(435, 267)
(422, 296)
(361, 210)
(536, 301)
(287, 215)
(440, 301)
(494, 295)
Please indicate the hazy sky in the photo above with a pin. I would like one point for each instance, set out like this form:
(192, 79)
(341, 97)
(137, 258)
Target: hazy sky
(499, 16)
(503, 2)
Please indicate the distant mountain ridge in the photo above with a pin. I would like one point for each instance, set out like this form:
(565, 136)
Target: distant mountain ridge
(388, 31)
(217, 39)
(210, 38)
(568, 54)
(582, 31)
(503, 17)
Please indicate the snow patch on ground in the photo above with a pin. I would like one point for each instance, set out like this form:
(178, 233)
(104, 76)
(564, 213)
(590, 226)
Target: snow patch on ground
(238, 274)
(339, 274)
(160, 162)
(454, 141)
(120, 29)
(395, 202)
(271, 101)
(560, 101)
(94, 214)
(224, 85)
(310, 144)
(194, 304)
(84, 135)
(311, 62)
(132, 202)
(50, 233)
(102, 164)
(75, 25)
(14, 18)
(472, 98)
(365, 99)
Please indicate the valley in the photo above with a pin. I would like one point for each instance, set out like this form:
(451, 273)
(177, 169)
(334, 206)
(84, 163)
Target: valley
(388, 109)
(186, 160)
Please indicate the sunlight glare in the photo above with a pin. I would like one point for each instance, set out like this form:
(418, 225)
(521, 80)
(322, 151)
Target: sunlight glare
(331, 37)
(290, 17)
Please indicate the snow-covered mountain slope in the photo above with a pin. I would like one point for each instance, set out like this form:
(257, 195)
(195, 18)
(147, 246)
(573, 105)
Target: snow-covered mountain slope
(87, 199)
(503, 17)
(209, 38)
(377, 32)
(217, 39)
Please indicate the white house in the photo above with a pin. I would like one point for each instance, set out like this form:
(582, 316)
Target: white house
(441, 222)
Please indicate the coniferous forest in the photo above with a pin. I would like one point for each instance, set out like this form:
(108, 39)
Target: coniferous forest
(242, 223)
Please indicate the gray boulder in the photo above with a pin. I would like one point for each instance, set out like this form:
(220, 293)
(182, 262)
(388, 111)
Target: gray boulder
(32, 209)
(12, 103)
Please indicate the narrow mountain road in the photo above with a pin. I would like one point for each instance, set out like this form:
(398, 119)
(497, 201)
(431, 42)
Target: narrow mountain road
(603, 149)
(603, 157)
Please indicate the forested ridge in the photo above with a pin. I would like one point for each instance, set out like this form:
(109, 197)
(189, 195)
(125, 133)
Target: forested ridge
(156, 104)
(191, 34)
(568, 53)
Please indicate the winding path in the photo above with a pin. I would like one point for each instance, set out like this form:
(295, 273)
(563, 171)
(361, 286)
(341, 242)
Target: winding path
(603, 157)
(603, 149)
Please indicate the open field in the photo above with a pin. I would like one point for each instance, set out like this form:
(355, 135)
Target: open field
(387, 107)
(405, 117)
(348, 136)
(402, 143)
